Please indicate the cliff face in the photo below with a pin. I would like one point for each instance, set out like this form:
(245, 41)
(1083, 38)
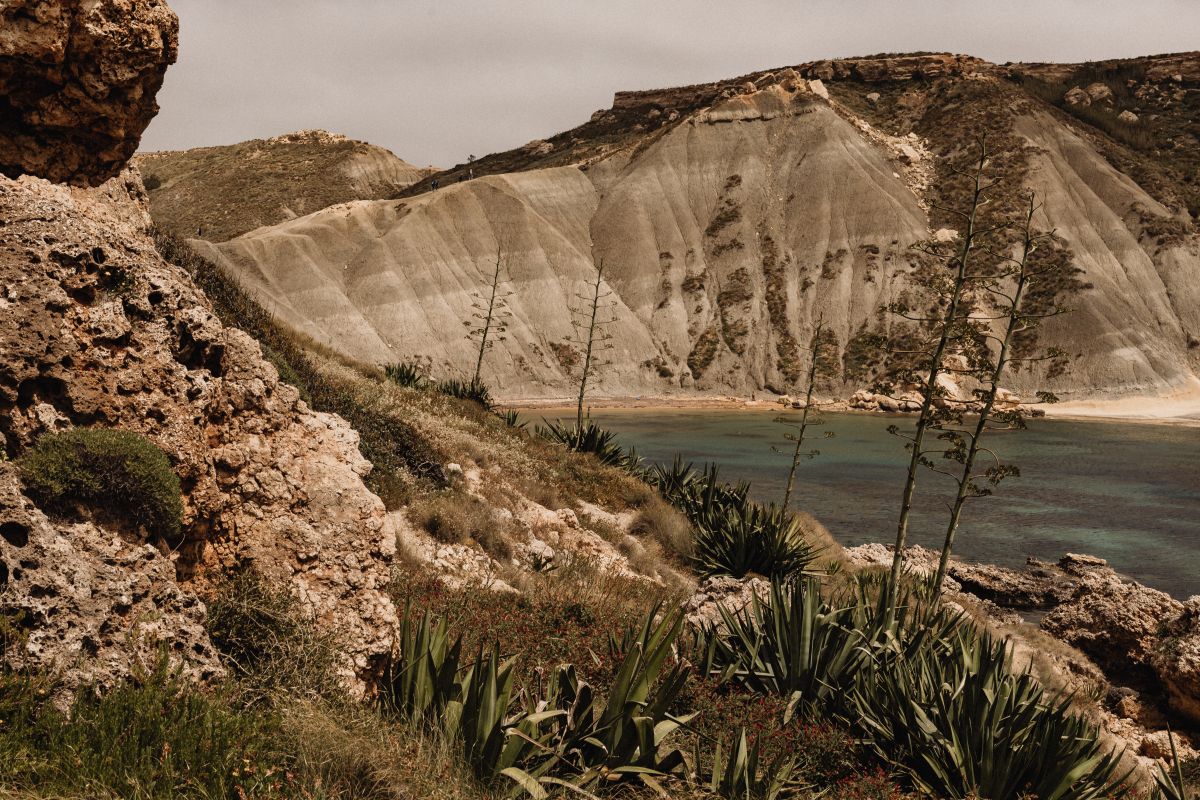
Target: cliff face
(730, 216)
(77, 84)
(100, 331)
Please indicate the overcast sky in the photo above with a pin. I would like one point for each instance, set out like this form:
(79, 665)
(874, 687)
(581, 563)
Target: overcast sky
(434, 80)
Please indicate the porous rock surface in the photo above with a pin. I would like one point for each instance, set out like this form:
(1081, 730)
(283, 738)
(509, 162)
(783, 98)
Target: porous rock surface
(100, 331)
(1114, 620)
(92, 602)
(1177, 659)
(78, 80)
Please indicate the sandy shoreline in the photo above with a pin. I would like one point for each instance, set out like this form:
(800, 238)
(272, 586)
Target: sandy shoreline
(1182, 411)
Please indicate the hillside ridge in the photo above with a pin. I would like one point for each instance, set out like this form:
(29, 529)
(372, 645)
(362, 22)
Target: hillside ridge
(733, 214)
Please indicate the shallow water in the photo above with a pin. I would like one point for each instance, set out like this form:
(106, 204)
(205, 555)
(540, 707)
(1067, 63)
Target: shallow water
(1129, 493)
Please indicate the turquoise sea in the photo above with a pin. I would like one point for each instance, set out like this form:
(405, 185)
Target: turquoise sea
(1129, 493)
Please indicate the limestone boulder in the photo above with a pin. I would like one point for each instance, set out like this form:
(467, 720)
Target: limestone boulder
(79, 80)
(723, 592)
(1114, 620)
(100, 331)
(89, 602)
(1100, 94)
(1076, 96)
(1176, 660)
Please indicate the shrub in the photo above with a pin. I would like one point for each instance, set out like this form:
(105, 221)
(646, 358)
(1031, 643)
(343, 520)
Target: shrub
(455, 518)
(151, 736)
(659, 521)
(118, 475)
(703, 352)
(268, 643)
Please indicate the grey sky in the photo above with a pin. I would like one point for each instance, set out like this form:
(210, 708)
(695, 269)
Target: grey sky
(434, 80)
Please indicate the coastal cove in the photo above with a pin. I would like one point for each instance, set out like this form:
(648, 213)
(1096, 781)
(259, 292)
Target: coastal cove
(1127, 492)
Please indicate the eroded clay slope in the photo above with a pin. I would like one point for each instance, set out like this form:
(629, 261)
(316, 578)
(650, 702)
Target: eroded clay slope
(732, 222)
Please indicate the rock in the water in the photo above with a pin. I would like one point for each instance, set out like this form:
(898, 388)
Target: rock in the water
(78, 81)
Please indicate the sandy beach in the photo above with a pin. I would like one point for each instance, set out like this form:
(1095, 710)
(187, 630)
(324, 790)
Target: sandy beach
(1177, 409)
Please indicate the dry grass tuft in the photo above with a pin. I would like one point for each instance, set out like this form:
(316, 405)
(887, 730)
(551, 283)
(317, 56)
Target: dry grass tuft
(660, 522)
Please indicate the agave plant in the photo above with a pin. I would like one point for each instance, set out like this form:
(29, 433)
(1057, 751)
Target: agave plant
(567, 737)
(406, 374)
(422, 678)
(512, 418)
(794, 644)
(761, 539)
(742, 774)
(623, 738)
(498, 741)
(1171, 784)
(965, 724)
(474, 390)
(591, 438)
(734, 536)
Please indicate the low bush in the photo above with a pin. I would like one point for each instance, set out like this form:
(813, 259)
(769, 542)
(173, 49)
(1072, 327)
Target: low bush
(660, 522)
(151, 736)
(117, 475)
(267, 642)
(455, 517)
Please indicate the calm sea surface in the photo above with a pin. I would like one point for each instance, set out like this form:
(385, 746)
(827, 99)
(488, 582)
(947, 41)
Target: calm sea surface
(1129, 493)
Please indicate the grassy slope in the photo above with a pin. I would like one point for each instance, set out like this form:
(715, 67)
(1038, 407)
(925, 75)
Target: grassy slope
(230, 190)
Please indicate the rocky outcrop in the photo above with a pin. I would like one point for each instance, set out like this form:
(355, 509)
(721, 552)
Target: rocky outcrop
(100, 331)
(721, 592)
(1176, 660)
(91, 602)
(1114, 620)
(77, 84)
(1039, 586)
(882, 69)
